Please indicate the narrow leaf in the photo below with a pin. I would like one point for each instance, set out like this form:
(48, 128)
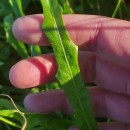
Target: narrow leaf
(9, 122)
(17, 45)
(5, 8)
(17, 7)
(66, 6)
(35, 50)
(18, 11)
(116, 9)
(68, 74)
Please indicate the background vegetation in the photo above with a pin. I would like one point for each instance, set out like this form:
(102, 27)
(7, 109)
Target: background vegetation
(11, 51)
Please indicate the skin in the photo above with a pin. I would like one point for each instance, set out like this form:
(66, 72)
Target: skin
(104, 53)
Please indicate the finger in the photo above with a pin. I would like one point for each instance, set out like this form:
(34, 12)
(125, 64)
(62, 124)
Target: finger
(111, 76)
(73, 128)
(113, 126)
(28, 28)
(49, 97)
(105, 103)
(104, 73)
(33, 71)
(42, 69)
(108, 38)
(108, 126)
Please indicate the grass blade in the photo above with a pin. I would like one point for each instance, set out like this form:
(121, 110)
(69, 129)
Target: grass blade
(17, 7)
(66, 7)
(35, 50)
(17, 45)
(9, 122)
(116, 9)
(5, 8)
(18, 11)
(68, 74)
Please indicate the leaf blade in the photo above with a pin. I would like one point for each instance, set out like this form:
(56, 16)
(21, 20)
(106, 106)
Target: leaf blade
(68, 74)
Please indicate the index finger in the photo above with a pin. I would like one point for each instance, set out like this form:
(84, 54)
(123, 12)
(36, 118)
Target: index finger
(109, 38)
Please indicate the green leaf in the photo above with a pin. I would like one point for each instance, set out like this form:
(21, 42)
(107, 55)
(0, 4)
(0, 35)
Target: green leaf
(49, 122)
(66, 6)
(5, 52)
(116, 9)
(18, 11)
(35, 50)
(68, 74)
(5, 7)
(17, 45)
(6, 104)
(9, 122)
(1, 63)
(7, 113)
(10, 112)
(17, 7)
(25, 3)
(11, 117)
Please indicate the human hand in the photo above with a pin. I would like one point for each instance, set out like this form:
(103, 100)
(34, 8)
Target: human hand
(104, 53)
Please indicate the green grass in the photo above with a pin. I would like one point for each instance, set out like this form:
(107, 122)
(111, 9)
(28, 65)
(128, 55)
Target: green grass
(12, 51)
